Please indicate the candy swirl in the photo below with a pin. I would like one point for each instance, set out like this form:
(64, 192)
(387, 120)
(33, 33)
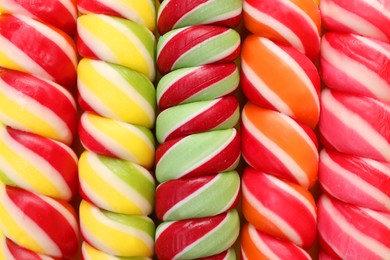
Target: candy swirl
(38, 121)
(118, 99)
(199, 146)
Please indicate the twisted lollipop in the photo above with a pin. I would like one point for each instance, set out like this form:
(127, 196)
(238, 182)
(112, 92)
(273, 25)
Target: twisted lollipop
(118, 99)
(278, 141)
(199, 146)
(38, 123)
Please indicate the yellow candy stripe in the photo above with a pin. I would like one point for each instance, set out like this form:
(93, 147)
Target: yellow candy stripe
(25, 113)
(113, 237)
(124, 140)
(91, 253)
(96, 79)
(29, 171)
(111, 40)
(116, 194)
(21, 229)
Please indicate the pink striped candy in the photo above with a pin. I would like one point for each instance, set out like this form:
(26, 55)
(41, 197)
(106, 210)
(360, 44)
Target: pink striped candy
(356, 65)
(50, 224)
(279, 208)
(295, 23)
(60, 14)
(197, 84)
(367, 18)
(52, 56)
(355, 125)
(352, 232)
(356, 180)
(260, 246)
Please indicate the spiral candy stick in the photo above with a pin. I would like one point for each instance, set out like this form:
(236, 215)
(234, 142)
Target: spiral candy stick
(278, 141)
(38, 169)
(115, 39)
(354, 66)
(199, 146)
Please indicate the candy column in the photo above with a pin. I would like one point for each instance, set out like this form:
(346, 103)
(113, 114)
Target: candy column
(354, 172)
(278, 141)
(199, 146)
(38, 169)
(118, 98)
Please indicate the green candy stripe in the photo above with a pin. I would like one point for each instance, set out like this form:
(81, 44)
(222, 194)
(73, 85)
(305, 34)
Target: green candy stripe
(219, 89)
(137, 222)
(214, 199)
(142, 33)
(209, 12)
(132, 174)
(207, 52)
(185, 155)
(218, 240)
(174, 117)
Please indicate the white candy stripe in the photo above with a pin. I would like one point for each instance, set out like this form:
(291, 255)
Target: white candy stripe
(350, 20)
(294, 66)
(53, 36)
(244, 256)
(192, 195)
(385, 170)
(274, 218)
(95, 240)
(207, 235)
(189, 118)
(260, 244)
(356, 181)
(294, 168)
(131, 37)
(360, 126)
(214, 58)
(34, 107)
(23, 61)
(376, 247)
(224, 16)
(369, 79)
(117, 183)
(47, 170)
(276, 25)
(293, 193)
(265, 91)
(373, 44)
(115, 78)
(28, 225)
(381, 218)
(93, 194)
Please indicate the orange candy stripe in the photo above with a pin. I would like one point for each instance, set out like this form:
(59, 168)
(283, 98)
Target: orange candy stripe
(290, 88)
(275, 127)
